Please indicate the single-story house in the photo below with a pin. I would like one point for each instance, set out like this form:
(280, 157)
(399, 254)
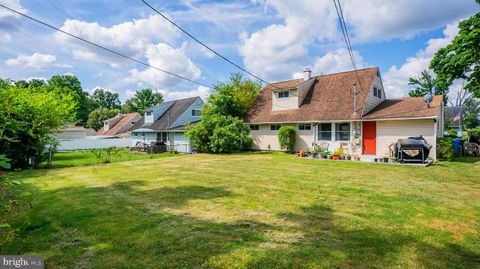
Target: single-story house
(346, 109)
(74, 132)
(119, 126)
(167, 122)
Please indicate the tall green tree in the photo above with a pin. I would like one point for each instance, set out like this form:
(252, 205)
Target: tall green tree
(71, 84)
(232, 98)
(461, 58)
(222, 128)
(427, 84)
(96, 117)
(29, 118)
(142, 100)
(471, 113)
(105, 99)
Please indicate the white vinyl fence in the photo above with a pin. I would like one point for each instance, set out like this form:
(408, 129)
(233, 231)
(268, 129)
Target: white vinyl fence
(81, 144)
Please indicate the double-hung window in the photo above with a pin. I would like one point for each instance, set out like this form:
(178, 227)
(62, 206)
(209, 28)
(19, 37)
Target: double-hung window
(275, 127)
(196, 113)
(342, 131)
(283, 94)
(325, 131)
(304, 127)
(254, 127)
(377, 92)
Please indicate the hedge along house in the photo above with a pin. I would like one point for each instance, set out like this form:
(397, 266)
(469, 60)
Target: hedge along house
(167, 122)
(347, 110)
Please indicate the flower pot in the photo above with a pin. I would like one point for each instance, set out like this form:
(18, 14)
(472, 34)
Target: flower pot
(385, 159)
(330, 157)
(336, 157)
(349, 158)
(375, 160)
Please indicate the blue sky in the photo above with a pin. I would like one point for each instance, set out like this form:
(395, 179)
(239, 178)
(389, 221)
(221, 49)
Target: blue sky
(275, 39)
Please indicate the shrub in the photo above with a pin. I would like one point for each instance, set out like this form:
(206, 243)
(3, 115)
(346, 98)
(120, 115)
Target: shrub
(452, 132)
(4, 162)
(287, 138)
(105, 155)
(219, 134)
(445, 148)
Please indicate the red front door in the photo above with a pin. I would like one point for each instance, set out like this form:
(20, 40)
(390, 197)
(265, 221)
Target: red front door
(370, 137)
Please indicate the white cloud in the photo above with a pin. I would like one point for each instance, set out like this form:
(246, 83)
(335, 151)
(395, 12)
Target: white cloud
(278, 50)
(201, 91)
(383, 20)
(168, 58)
(36, 61)
(9, 21)
(130, 38)
(396, 79)
(336, 61)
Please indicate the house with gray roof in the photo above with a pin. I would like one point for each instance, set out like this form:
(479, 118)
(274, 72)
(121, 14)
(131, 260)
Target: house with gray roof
(166, 122)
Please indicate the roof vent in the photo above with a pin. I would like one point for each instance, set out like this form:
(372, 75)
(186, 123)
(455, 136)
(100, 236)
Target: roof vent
(307, 74)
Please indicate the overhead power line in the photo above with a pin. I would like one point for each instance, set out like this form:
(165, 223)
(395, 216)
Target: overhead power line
(346, 37)
(104, 48)
(204, 45)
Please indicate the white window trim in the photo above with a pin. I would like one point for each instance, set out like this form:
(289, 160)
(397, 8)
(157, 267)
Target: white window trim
(274, 131)
(333, 132)
(278, 95)
(255, 131)
(304, 130)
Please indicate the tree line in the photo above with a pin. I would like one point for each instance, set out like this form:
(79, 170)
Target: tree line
(92, 109)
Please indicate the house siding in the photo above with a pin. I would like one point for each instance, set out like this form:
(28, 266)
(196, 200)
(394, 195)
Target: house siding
(372, 101)
(279, 104)
(186, 116)
(265, 137)
(389, 132)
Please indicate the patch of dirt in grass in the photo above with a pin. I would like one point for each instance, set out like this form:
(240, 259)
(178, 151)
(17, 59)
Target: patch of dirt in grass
(455, 229)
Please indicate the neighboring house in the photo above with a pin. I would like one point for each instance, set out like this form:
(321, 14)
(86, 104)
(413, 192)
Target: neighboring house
(323, 110)
(119, 126)
(453, 118)
(166, 123)
(75, 132)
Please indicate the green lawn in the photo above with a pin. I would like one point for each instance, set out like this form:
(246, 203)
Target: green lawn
(246, 210)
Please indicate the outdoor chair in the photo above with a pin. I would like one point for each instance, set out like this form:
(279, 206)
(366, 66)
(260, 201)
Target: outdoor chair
(472, 149)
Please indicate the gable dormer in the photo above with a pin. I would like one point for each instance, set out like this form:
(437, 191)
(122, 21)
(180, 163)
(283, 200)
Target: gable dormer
(292, 97)
(375, 95)
(154, 113)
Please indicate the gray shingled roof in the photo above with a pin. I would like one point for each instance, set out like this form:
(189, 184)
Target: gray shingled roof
(168, 118)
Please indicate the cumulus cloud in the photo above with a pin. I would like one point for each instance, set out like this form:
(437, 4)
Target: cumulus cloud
(9, 21)
(36, 61)
(201, 91)
(278, 50)
(168, 58)
(383, 20)
(396, 79)
(130, 38)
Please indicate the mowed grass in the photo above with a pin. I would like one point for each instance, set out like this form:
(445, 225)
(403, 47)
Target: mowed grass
(87, 157)
(247, 211)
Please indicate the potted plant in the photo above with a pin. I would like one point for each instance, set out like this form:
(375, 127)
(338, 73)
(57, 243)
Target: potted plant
(343, 157)
(357, 158)
(337, 154)
(349, 157)
(385, 159)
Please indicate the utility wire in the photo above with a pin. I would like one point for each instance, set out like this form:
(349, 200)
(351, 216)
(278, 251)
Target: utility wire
(203, 44)
(104, 48)
(219, 54)
(214, 51)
